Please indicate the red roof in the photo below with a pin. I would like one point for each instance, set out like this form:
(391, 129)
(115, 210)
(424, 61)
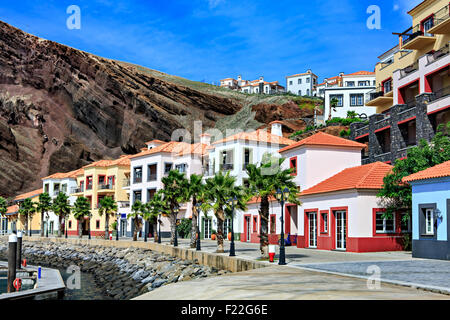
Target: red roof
(438, 171)
(12, 209)
(324, 139)
(30, 194)
(180, 148)
(60, 175)
(124, 160)
(360, 73)
(258, 135)
(369, 176)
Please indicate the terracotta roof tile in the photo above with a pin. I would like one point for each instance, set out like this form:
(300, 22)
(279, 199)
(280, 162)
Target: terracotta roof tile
(360, 73)
(30, 194)
(178, 148)
(124, 160)
(324, 139)
(438, 171)
(12, 210)
(369, 176)
(156, 141)
(60, 175)
(258, 135)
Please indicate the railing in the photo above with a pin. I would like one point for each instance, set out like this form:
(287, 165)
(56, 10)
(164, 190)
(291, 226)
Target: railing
(77, 190)
(226, 166)
(106, 186)
(440, 93)
(152, 177)
(409, 69)
(441, 15)
(89, 187)
(379, 91)
(137, 180)
(438, 54)
(124, 204)
(411, 33)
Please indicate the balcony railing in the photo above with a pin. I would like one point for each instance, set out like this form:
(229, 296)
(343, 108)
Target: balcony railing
(89, 187)
(108, 186)
(442, 52)
(137, 180)
(226, 166)
(77, 190)
(124, 204)
(441, 15)
(152, 177)
(409, 69)
(440, 93)
(380, 91)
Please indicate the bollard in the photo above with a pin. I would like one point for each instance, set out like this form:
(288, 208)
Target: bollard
(19, 250)
(39, 272)
(271, 252)
(12, 253)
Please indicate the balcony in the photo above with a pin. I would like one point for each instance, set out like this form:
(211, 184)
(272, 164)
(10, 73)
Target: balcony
(226, 167)
(438, 94)
(415, 39)
(89, 187)
(123, 204)
(77, 190)
(441, 22)
(432, 57)
(152, 177)
(380, 96)
(137, 180)
(409, 69)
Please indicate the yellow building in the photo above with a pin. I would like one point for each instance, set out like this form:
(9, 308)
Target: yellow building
(17, 221)
(428, 35)
(96, 181)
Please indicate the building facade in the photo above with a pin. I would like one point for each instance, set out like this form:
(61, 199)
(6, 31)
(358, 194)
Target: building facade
(255, 86)
(302, 84)
(412, 93)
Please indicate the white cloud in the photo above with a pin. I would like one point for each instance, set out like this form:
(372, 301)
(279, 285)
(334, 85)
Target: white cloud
(396, 7)
(214, 3)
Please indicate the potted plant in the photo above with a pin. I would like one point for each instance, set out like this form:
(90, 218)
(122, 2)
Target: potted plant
(213, 235)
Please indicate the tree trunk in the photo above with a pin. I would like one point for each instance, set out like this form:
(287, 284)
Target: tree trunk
(263, 231)
(220, 234)
(80, 229)
(106, 226)
(26, 224)
(194, 228)
(59, 226)
(173, 225)
(155, 231)
(42, 223)
(136, 229)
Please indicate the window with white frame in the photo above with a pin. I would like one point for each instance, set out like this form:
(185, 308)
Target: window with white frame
(339, 98)
(299, 81)
(290, 83)
(384, 224)
(350, 83)
(429, 221)
(299, 92)
(325, 222)
(356, 100)
(181, 167)
(308, 80)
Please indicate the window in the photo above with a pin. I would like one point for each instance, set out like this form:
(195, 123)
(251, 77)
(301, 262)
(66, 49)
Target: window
(427, 25)
(324, 222)
(151, 172)
(247, 158)
(356, 100)
(290, 83)
(273, 226)
(245, 183)
(137, 195)
(299, 92)
(307, 92)
(64, 188)
(308, 80)
(299, 81)
(150, 194)
(46, 188)
(137, 175)
(167, 167)
(181, 167)
(226, 226)
(101, 180)
(350, 83)
(405, 223)
(387, 86)
(255, 224)
(89, 183)
(227, 160)
(429, 221)
(97, 224)
(314, 81)
(383, 225)
(293, 165)
(111, 180)
(339, 98)
(363, 83)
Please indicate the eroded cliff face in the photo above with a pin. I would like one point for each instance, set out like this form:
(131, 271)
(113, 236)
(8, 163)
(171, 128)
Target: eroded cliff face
(61, 108)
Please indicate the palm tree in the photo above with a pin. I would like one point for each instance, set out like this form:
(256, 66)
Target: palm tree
(27, 209)
(155, 207)
(43, 206)
(196, 189)
(108, 207)
(61, 208)
(138, 210)
(333, 104)
(174, 193)
(264, 180)
(81, 209)
(3, 206)
(219, 190)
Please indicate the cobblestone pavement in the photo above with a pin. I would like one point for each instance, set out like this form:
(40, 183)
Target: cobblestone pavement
(416, 271)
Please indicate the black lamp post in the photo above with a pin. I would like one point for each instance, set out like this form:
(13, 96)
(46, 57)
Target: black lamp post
(233, 203)
(46, 227)
(65, 225)
(145, 230)
(117, 227)
(159, 229)
(89, 226)
(282, 196)
(198, 206)
(175, 211)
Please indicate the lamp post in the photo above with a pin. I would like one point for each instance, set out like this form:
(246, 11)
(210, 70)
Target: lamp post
(233, 203)
(89, 225)
(46, 227)
(198, 205)
(65, 225)
(159, 229)
(145, 230)
(117, 227)
(282, 196)
(175, 211)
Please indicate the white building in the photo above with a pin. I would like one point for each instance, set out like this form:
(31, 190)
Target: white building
(302, 84)
(53, 185)
(233, 154)
(256, 86)
(148, 167)
(350, 93)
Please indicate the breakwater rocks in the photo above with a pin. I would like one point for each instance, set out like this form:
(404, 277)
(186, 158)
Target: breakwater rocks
(121, 273)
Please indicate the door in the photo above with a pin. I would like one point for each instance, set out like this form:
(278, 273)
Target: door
(51, 227)
(247, 229)
(312, 219)
(123, 227)
(4, 226)
(207, 225)
(341, 230)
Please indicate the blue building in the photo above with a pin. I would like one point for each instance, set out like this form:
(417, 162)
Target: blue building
(431, 212)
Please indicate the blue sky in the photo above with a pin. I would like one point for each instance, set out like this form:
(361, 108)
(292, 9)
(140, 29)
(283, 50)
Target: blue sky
(208, 40)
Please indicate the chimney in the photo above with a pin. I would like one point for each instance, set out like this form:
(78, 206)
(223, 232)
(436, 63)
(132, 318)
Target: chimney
(261, 79)
(309, 71)
(276, 128)
(205, 139)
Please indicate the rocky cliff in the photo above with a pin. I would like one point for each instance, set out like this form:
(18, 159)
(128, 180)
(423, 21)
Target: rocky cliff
(61, 108)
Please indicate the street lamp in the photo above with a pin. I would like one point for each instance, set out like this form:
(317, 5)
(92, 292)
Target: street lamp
(198, 205)
(65, 225)
(282, 196)
(175, 211)
(233, 202)
(46, 226)
(117, 227)
(159, 230)
(89, 225)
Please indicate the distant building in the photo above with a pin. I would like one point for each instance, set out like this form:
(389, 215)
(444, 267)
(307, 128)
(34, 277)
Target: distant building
(302, 84)
(255, 86)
